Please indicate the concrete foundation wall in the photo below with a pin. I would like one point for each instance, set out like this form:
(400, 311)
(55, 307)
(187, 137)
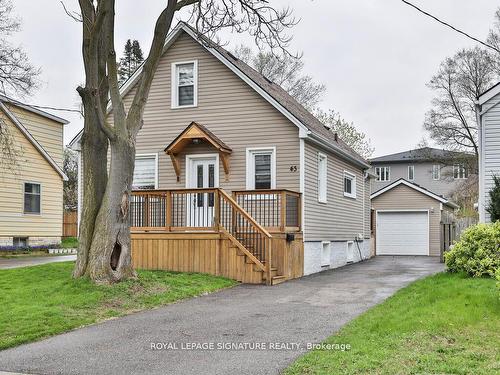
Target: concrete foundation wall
(32, 241)
(315, 261)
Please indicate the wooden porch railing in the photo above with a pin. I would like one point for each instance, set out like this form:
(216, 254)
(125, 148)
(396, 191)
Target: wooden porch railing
(244, 218)
(277, 210)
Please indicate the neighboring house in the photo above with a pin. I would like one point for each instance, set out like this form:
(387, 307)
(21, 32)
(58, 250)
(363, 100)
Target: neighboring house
(488, 112)
(31, 186)
(407, 219)
(211, 121)
(439, 171)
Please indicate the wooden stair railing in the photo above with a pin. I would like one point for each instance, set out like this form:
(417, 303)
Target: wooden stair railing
(244, 232)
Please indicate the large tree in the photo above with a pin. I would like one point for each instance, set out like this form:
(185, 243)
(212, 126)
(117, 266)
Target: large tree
(104, 247)
(17, 77)
(346, 130)
(460, 79)
(70, 190)
(284, 70)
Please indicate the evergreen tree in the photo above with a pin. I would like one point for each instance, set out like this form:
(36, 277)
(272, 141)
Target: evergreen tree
(494, 206)
(125, 65)
(131, 60)
(137, 54)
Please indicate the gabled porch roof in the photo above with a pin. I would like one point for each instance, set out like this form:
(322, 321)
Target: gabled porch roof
(190, 135)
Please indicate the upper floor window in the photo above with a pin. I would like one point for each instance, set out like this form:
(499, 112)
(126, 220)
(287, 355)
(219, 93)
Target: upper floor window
(32, 198)
(261, 168)
(349, 185)
(383, 173)
(411, 172)
(322, 177)
(145, 172)
(185, 84)
(460, 171)
(436, 172)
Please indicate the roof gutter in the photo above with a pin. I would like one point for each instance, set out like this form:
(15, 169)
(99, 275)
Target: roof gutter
(336, 150)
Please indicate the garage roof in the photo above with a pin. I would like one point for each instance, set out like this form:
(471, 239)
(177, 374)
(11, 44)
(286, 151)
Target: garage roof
(416, 187)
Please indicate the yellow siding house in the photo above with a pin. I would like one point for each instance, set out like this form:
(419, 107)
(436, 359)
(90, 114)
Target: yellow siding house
(31, 182)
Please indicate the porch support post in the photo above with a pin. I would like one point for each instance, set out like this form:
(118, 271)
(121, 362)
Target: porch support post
(168, 211)
(217, 210)
(269, 261)
(283, 212)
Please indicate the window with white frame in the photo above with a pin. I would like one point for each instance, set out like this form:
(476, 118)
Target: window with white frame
(32, 198)
(145, 172)
(326, 251)
(411, 172)
(460, 172)
(322, 177)
(261, 168)
(349, 185)
(185, 84)
(436, 172)
(383, 173)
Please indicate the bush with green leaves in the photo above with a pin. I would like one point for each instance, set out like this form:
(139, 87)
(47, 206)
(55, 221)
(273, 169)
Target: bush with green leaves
(494, 206)
(478, 251)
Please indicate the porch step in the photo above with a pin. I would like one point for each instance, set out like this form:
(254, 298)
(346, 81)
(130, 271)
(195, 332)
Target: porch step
(278, 280)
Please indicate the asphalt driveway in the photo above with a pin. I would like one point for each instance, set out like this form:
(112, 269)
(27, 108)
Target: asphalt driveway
(282, 319)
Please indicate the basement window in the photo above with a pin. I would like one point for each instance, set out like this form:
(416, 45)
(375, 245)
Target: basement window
(326, 251)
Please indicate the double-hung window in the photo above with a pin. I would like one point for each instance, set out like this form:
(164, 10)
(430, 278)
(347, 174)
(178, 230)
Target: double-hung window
(349, 185)
(460, 172)
(261, 168)
(322, 177)
(411, 172)
(145, 172)
(32, 198)
(436, 172)
(185, 84)
(383, 173)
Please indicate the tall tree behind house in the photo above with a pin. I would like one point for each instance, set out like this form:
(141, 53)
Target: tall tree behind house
(131, 60)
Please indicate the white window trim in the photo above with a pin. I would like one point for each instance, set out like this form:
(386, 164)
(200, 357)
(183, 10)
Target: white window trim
(438, 172)
(191, 157)
(326, 262)
(250, 165)
(459, 166)
(174, 83)
(146, 156)
(388, 177)
(24, 191)
(412, 167)
(351, 176)
(322, 199)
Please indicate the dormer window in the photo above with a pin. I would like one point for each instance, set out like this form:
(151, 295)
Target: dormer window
(185, 84)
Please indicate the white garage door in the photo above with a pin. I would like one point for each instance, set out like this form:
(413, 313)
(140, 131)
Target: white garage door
(403, 233)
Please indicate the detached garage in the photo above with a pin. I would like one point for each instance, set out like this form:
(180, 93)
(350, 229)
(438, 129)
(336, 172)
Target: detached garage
(407, 219)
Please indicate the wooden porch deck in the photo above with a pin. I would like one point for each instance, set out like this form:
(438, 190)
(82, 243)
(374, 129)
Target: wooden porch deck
(252, 236)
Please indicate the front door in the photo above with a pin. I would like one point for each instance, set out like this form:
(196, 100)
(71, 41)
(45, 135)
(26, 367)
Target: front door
(203, 174)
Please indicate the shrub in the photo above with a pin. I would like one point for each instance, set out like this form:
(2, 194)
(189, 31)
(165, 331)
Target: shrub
(494, 207)
(478, 251)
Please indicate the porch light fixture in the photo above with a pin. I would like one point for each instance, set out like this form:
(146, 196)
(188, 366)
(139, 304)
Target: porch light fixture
(197, 141)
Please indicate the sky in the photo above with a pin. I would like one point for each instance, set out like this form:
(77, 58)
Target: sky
(374, 56)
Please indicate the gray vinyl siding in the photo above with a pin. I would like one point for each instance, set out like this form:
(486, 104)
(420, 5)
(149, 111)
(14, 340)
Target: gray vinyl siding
(341, 218)
(491, 149)
(405, 198)
(228, 107)
(423, 177)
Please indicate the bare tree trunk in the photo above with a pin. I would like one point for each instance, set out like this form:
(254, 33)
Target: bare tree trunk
(95, 176)
(109, 259)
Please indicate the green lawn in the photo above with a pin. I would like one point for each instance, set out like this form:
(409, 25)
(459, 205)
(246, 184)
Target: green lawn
(444, 324)
(69, 243)
(41, 301)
